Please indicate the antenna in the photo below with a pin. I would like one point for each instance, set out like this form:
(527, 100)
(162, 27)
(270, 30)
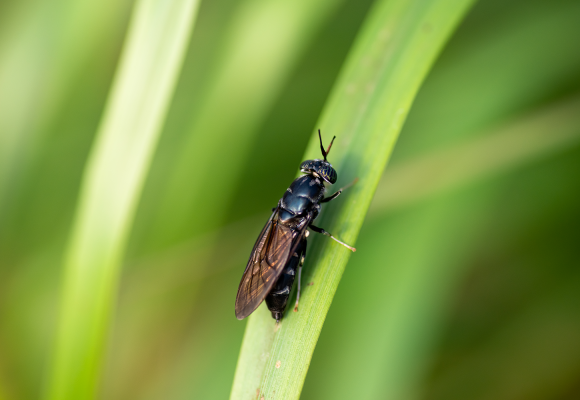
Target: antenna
(330, 145)
(321, 146)
(325, 153)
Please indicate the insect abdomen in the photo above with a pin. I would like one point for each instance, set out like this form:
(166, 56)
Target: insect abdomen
(280, 293)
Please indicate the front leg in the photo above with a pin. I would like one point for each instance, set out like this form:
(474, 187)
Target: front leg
(334, 196)
(320, 230)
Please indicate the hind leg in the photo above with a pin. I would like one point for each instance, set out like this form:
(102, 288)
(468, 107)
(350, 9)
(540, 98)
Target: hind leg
(303, 253)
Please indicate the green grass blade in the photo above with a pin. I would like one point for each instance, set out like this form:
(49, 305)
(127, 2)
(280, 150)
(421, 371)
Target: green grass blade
(397, 45)
(401, 184)
(399, 187)
(404, 278)
(263, 43)
(34, 81)
(44, 49)
(117, 166)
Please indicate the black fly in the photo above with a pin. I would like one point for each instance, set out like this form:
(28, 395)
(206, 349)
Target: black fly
(281, 246)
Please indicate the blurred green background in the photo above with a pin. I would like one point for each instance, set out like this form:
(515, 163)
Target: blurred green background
(465, 284)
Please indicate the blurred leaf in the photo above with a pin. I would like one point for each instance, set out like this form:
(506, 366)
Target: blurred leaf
(200, 201)
(512, 145)
(396, 47)
(55, 65)
(524, 140)
(388, 316)
(503, 66)
(508, 58)
(263, 43)
(522, 359)
(464, 281)
(113, 178)
(512, 329)
(43, 47)
(383, 324)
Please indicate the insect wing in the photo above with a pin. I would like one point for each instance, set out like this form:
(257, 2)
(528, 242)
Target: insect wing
(267, 261)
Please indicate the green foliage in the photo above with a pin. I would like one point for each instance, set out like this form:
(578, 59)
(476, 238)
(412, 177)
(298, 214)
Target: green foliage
(112, 181)
(393, 53)
(465, 276)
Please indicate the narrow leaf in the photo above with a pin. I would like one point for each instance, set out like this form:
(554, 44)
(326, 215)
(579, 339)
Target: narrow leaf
(395, 49)
(112, 182)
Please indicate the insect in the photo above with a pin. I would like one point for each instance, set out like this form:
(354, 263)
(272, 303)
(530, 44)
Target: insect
(281, 246)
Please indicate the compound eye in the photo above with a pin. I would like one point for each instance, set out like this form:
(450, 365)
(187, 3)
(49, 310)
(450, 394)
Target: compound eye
(328, 174)
(306, 165)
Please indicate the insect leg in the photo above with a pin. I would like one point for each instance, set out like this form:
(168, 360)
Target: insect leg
(300, 274)
(334, 196)
(320, 230)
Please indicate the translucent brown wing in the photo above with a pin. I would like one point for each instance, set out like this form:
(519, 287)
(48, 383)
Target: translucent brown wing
(267, 261)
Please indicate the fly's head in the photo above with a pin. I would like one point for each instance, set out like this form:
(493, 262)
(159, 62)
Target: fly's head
(320, 168)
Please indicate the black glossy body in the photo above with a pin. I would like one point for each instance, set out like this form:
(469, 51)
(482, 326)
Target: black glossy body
(298, 207)
(301, 199)
(278, 296)
(280, 249)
